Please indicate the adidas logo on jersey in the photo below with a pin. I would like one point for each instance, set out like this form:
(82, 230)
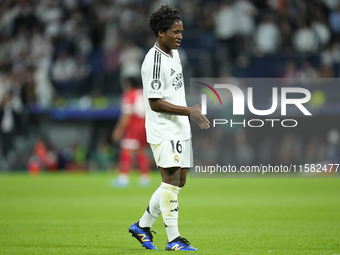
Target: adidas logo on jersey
(172, 71)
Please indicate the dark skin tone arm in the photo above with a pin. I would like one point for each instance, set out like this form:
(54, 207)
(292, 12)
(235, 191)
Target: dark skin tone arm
(177, 176)
(161, 106)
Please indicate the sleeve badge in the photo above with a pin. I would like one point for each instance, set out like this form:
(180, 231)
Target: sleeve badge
(156, 84)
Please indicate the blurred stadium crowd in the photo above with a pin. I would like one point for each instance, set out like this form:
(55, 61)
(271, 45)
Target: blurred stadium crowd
(54, 51)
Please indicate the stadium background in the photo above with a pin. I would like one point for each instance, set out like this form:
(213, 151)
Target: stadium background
(61, 67)
(62, 62)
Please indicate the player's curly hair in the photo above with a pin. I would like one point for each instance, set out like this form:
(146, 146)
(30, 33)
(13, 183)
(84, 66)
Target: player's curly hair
(163, 18)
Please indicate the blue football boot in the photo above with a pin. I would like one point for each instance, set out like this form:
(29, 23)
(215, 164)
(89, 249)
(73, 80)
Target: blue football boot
(143, 235)
(180, 244)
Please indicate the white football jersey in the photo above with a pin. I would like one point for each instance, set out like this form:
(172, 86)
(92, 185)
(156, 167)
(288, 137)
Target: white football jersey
(163, 78)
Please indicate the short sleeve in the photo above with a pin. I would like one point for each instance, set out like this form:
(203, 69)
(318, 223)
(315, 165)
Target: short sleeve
(152, 75)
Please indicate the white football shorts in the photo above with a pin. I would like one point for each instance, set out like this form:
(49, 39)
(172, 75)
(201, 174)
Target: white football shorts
(173, 153)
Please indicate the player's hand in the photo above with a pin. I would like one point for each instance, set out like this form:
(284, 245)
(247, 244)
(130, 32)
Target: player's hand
(197, 116)
(117, 135)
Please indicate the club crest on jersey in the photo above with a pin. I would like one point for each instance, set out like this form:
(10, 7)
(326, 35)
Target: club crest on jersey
(176, 159)
(156, 84)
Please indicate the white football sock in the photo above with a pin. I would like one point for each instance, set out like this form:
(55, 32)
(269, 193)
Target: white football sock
(163, 200)
(169, 208)
(153, 210)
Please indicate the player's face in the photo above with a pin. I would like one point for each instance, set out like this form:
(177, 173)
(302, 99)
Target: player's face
(171, 39)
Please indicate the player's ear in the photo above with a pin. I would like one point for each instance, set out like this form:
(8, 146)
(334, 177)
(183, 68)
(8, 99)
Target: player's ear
(161, 33)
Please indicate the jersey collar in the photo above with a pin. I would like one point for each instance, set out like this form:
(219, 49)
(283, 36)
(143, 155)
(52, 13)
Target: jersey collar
(165, 54)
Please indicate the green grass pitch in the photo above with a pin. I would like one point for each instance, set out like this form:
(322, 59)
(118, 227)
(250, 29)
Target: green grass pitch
(81, 214)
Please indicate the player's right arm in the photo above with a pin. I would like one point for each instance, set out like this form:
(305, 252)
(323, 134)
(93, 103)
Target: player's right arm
(153, 81)
(119, 130)
(161, 106)
(125, 117)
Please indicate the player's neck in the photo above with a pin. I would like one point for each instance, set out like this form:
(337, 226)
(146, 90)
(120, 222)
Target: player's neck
(164, 48)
